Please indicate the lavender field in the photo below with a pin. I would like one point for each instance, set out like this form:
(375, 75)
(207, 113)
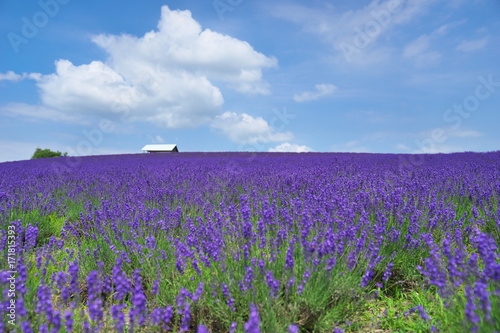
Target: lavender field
(239, 242)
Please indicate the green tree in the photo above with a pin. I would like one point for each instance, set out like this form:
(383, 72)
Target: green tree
(44, 153)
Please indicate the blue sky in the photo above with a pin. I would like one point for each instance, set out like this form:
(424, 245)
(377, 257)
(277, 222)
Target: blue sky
(92, 77)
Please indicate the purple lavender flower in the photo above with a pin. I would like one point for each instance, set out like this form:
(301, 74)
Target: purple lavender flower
(289, 259)
(94, 301)
(422, 312)
(139, 305)
(388, 272)
(227, 295)
(73, 271)
(151, 242)
(86, 327)
(195, 266)
(331, 263)
(68, 320)
(60, 279)
(253, 323)
(167, 316)
(155, 316)
(65, 294)
(21, 309)
(198, 292)
(262, 265)
(179, 264)
(156, 287)
(56, 321)
(120, 281)
(470, 308)
(274, 284)
(300, 288)
(481, 293)
(181, 299)
(3, 240)
(118, 316)
(44, 304)
(186, 318)
(202, 329)
(21, 278)
(30, 237)
(247, 279)
(26, 327)
(306, 276)
(367, 277)
(44, 328)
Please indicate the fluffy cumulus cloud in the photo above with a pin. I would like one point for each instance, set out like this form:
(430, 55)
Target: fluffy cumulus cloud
(287, 147)
(321, 90)
(181, 43)
(245, 129)
(169, 99)
(166, 76)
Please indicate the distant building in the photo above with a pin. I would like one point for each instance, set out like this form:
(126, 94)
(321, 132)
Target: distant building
(160, 148)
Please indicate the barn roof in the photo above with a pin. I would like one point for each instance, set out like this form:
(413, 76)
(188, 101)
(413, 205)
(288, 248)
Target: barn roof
(159, 147)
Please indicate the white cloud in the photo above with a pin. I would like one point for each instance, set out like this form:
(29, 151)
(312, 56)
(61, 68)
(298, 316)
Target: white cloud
(244, 129)
(321, 90)
(287, 147)
(35, 112)
(445, 28)
(355, 34)
(416, 47)
(165, 76)
(472, 45)
(419, 51)
(336, 26)
(166, 98)
(11, 76)
(181, 43)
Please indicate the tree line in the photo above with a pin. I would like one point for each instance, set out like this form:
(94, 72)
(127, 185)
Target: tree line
(45, 153)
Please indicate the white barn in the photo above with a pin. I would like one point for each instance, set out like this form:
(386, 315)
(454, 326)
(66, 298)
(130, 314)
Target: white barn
(160, 148)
